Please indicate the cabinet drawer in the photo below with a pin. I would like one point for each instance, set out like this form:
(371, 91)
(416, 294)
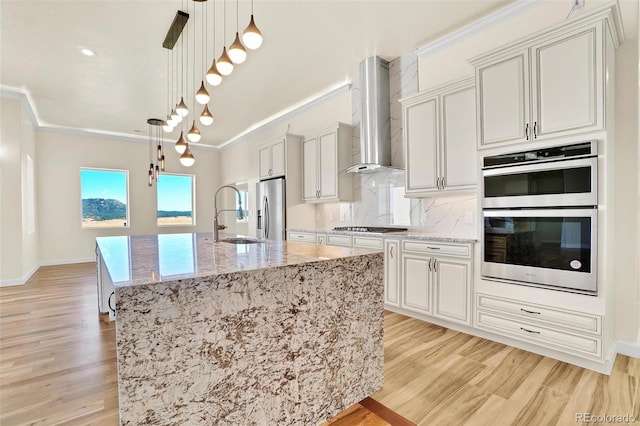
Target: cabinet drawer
(458, 250)
(555, 339)
(571, 320)
(339, 240)
(304, 237)
(367, 242)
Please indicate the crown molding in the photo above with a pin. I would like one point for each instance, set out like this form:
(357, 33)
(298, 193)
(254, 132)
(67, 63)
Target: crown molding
(516, 8)
(289, 113)
(25, 96)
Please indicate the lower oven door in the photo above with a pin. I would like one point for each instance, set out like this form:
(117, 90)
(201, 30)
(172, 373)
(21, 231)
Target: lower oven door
(548, 247)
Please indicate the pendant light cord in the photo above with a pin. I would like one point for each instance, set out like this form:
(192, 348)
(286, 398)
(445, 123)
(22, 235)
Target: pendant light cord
(224, 22)
(237, 24)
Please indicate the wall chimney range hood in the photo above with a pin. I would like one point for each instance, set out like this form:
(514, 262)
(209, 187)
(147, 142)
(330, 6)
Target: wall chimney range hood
(375, 130)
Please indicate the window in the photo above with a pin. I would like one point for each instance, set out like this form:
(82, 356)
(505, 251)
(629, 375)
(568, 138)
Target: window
(175, 199)
(244, 198)
(104, 198)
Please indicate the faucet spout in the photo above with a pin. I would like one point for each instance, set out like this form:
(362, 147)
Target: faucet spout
(217, 227)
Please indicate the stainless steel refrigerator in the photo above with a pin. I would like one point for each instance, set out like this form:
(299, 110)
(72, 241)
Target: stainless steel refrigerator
(271, 210)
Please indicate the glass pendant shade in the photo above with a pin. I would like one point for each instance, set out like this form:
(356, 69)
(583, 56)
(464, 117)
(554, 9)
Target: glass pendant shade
(187, 159)
(167, 127)
(194, 133)
(159, 152)
(206, 118)
(213, 75)
(224, 64)
(150, 181)
(162, 163)
(237, 52)
(182, 109)
(157, 173)
(202, 96)
(252, 37)
(174, 116)
(181, 144)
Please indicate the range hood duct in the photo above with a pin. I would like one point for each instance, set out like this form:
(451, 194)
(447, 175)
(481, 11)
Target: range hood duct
(375, 123)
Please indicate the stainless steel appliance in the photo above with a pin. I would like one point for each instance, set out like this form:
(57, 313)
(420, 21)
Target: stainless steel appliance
(540, 218)
(271, 211)
(373, 229)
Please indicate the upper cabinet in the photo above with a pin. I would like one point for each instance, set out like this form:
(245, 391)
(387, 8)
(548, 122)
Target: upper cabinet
(439, 139)
(325, 154)
(549, 85)
(272, 158)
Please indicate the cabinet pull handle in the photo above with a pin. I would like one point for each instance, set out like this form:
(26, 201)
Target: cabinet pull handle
(535, 130)
(443, 182)
(526, 131)
(529, 331)
(430, 261)
(433, 248)
(439, 183)
(435, 265)
(391, 252)
(529, 312)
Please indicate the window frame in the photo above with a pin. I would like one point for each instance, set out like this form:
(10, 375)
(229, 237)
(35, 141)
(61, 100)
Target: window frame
(193, 200)
(103, 169)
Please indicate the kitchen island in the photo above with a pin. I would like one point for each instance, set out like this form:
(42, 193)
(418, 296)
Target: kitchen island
(221, 333)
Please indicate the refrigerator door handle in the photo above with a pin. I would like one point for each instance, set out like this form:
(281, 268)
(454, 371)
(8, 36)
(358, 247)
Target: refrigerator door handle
(266, 217)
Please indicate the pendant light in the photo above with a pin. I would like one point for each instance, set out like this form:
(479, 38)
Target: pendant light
(187, 159)
(252, 37)
(225, 66)
(155, 135)
(182, 109)
(194, 133)
(168, 123)
(237, 52)
(181, 144)
(213, 76)
(202, 96)
(206, 118)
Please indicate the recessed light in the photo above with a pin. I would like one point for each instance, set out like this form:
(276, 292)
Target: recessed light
(87, 52)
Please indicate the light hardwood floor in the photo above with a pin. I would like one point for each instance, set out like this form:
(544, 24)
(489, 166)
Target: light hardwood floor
(58, 366)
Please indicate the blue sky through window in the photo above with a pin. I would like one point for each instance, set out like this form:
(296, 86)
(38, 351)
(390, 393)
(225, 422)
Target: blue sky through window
(175, 193)
(107, 184)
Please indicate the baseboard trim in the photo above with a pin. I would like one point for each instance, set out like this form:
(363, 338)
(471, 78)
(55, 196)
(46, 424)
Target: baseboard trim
(68, 261)
(22, 281)
(19, 281)
(631, 349)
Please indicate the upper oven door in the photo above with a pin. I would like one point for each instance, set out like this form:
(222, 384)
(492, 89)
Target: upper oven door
(553, 184)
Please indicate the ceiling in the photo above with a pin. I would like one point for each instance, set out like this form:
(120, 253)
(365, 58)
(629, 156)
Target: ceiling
(309, 46)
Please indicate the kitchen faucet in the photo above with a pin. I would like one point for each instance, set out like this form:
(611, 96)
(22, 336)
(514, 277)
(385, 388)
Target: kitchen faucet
(217, 227)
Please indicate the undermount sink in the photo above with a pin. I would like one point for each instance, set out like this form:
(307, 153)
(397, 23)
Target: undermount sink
(240, 241)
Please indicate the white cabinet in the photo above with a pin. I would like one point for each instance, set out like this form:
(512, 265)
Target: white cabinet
(436, 280)
(439, 139)
(272, 158)
(325, 154)
(392, 272)
(281, 157)
(373, 243)
(300, 236)
(339, 240)
(548, 85)
(577, 333)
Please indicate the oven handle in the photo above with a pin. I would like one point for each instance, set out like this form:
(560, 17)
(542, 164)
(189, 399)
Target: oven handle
(592, 213)
(543, 166)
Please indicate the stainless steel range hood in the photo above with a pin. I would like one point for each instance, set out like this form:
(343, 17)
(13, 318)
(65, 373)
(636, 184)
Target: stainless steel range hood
(375, 130)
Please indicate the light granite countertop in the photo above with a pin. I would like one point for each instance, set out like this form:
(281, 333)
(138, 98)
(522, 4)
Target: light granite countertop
(409, 234)
(146, 259)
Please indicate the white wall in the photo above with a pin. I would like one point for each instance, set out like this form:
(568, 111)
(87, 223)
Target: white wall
(62, 238)
(239, 162)
(18, 239)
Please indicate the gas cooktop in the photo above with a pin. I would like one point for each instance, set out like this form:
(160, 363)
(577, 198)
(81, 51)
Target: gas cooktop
(368, 229)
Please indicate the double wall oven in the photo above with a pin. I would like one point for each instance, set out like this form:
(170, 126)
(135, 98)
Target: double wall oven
(540, 217)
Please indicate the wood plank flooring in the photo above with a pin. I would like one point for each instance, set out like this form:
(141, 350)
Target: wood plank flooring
(58, 366)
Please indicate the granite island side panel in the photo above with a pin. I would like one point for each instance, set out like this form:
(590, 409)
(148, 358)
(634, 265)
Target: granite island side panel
(288, 344)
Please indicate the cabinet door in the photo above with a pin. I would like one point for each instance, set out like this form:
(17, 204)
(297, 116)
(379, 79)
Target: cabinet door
(415, 282)
(265, 161)
(309, 170)
(458, 154)
(452, 290)
(503, 100)
(421, 127)
(567, 74)
(328, 147)
(391, 272)
(277, 159)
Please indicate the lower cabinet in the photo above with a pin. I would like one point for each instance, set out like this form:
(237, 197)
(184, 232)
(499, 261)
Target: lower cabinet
(303, 237)
(435, 278)
(392, 272)
(577, 333)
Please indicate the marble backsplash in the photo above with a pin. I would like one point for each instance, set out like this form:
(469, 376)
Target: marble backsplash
(378, 198)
